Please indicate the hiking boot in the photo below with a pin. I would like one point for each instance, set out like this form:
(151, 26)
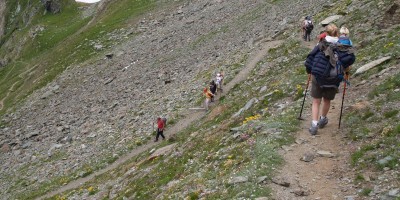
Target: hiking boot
(313, 129)
(322, 122)
(155, 140)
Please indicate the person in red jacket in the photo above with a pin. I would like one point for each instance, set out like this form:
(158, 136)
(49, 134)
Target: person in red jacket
(160, 129)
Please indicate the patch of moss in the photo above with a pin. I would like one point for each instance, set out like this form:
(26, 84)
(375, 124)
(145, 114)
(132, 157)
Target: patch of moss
(390, 114)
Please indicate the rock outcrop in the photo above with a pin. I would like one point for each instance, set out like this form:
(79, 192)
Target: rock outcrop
(53, 6)
(2, 17)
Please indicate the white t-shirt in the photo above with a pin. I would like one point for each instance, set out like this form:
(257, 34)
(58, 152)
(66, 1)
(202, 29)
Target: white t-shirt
(219, 79)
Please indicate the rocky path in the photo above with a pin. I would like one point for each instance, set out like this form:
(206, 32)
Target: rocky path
(314, 165)
(190, 116)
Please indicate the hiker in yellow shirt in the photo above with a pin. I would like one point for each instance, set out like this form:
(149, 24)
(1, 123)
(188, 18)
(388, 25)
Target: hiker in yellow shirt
(208, 95)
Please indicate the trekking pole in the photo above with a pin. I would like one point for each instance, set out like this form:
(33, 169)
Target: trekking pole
(305, 94)
(346, 79)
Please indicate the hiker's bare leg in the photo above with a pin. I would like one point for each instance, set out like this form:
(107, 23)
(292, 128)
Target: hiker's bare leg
(326, 104)
(207, 103)
(315, 108)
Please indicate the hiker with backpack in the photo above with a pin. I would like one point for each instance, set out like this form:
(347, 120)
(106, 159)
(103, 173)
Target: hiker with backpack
(160, 129)
(208, 95)
(219, 81)
(213, 89)
(327, 63)
(307, 28)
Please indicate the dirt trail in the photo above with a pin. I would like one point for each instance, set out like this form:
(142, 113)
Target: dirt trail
(190, 116)
(321, 177)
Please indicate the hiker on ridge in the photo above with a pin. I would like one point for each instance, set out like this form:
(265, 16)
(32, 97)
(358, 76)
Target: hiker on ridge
(160, 129)
(319, 63)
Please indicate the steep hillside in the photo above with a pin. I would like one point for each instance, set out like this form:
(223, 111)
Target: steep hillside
(2, 17)
(39, 45)
(88, 133)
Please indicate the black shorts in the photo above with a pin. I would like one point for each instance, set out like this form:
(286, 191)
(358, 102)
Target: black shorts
(318, 92)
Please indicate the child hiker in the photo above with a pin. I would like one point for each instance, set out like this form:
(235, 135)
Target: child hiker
(344, 37)
(208, 95)
(219, 82)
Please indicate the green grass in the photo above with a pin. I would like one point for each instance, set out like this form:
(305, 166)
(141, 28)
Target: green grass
(356, 157)
(359, 178)
(391, 113)
(387, 88)
(365, 191)
(367, 114)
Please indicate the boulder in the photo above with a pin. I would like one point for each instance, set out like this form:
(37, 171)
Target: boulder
(3, 63)
(371, 65)
(53, 6)
(330, 19)
(5, 148)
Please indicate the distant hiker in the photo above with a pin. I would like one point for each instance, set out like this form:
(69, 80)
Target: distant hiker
(208, 95)
(160, 129)
(213, 89)
(326, 62)
(220, 81)
(307, 28)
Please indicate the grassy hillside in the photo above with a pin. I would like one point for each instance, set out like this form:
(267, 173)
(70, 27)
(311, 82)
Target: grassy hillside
(45, 45)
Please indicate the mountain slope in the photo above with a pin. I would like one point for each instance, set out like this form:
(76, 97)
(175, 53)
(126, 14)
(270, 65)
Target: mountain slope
(91, 115)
